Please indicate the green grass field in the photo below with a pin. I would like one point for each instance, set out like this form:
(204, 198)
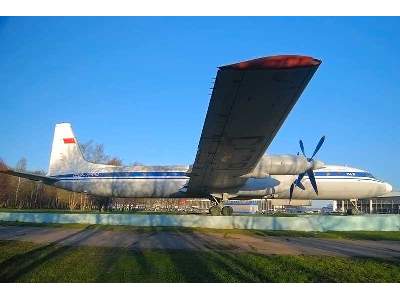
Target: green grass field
(28, 262)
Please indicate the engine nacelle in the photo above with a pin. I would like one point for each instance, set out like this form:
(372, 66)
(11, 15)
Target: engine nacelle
(282, 165)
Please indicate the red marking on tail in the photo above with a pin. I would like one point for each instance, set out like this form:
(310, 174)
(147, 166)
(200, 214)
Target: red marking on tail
(69, 141)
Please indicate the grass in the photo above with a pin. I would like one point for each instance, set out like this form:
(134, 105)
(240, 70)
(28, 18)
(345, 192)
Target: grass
(354, 235)
(28, 262)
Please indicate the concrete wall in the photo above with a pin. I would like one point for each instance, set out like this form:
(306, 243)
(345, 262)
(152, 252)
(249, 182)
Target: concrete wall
(303, 223)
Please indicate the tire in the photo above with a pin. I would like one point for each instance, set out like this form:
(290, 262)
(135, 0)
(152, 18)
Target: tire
(215, 211)
(227, 211)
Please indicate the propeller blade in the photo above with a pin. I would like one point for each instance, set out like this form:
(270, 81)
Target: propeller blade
(321, 141)
(301, 176)
(291, 192)
(298, 181)
(300, 185)
(310, 174)
(302, 147)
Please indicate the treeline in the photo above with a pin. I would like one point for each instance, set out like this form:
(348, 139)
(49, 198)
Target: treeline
(22, 193)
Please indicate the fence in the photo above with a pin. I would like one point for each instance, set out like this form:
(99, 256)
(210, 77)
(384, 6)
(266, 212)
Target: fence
(301, 223)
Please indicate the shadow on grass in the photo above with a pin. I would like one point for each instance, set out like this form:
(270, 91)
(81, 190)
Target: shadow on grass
(14, 267)
(207, 262)
(205, 259)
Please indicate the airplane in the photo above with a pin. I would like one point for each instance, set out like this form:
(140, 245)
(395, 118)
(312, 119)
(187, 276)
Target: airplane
(249, 103)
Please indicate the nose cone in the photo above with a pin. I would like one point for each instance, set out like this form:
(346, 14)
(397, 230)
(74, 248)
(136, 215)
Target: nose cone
(388, 187)
(317, 164)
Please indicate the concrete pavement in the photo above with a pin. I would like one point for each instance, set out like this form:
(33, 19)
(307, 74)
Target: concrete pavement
(177, 239)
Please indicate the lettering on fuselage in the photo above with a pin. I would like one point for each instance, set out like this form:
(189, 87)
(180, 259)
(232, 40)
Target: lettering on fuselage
(86, 174)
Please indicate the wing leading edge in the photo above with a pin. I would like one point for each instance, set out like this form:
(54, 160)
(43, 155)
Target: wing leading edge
(249, 103)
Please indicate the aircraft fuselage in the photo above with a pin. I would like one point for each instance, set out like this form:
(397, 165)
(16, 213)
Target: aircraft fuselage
(334, 182)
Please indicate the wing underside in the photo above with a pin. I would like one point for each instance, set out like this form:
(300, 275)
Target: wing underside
(248, 105)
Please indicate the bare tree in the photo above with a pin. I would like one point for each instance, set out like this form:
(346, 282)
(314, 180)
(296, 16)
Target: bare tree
(115, 161)
(21, 166)
(95, 153)
(17, 192)
(5, 185)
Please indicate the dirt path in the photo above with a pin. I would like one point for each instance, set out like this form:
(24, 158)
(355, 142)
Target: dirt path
(181, 240)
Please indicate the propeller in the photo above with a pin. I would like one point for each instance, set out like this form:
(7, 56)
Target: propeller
(309, 172)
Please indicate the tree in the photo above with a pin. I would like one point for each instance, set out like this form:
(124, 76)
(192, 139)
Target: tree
(95, 153)
(5, 185)
(115, 161)
(3, 166)
(17, 192)
(21, 166)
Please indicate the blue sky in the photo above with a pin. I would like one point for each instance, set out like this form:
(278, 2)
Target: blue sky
(140, 86)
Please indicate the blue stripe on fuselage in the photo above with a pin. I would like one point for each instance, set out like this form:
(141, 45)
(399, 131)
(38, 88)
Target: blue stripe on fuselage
(183, 175)
(344, 174)
(122, 174)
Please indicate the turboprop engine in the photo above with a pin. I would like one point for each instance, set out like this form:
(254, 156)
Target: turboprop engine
(283, 165)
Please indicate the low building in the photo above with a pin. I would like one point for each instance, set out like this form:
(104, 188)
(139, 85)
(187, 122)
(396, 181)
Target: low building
(246, 206)
(269, 205)
(328, 209)
(294, 205)
(385, 204)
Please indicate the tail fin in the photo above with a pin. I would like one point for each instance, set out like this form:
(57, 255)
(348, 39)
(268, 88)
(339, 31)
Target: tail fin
(66, 156)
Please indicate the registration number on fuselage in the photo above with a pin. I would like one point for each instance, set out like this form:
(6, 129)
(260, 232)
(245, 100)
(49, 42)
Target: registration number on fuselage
(86, 174)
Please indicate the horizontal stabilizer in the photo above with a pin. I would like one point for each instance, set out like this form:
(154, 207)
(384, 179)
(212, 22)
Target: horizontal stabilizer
(31, 176)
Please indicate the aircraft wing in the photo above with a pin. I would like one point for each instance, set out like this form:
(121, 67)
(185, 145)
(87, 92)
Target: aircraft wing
(249, 103)
(31, 176)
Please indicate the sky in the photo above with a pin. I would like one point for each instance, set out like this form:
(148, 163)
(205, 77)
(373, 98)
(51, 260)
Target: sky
(140, 86)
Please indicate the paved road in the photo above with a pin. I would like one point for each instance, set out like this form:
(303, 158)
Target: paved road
(181, 240)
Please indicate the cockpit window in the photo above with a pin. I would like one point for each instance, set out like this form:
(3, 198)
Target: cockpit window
(370, 175)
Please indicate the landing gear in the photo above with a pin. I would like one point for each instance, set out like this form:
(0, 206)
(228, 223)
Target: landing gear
(218, 207)
(227, 211)
(215, 210)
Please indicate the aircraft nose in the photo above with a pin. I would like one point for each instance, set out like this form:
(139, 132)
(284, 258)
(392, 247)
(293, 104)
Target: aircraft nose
(388, 187)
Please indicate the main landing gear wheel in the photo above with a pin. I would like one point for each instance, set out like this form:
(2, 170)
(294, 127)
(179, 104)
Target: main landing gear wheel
(227, 211)
(215, 210)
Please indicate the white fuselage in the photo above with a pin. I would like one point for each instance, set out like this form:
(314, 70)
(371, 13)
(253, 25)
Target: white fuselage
(334, 182)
